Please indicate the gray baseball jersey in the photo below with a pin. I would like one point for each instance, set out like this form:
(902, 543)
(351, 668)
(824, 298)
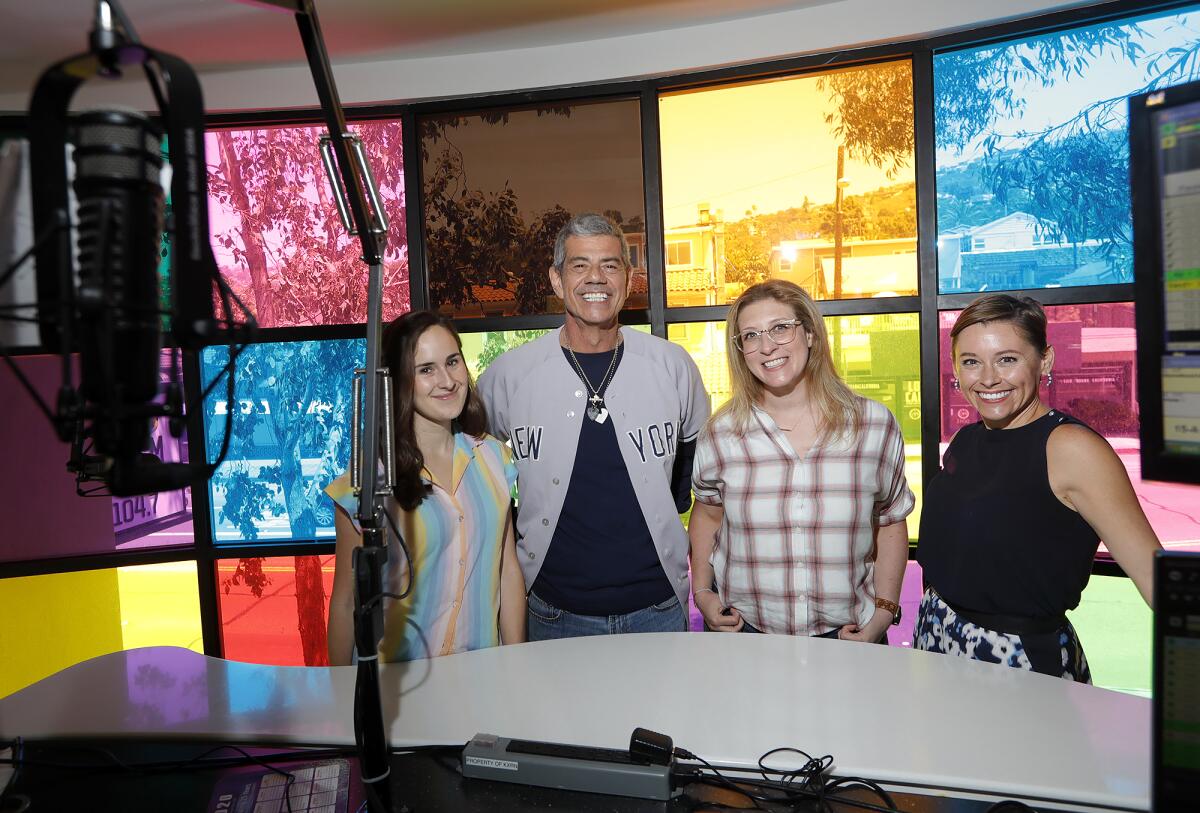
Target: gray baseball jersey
(536, 401)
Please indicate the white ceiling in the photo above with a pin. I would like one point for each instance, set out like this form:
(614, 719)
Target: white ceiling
(249, 55)
(226, 34)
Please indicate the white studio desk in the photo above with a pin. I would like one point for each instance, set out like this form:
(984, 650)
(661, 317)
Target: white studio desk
(911, 720)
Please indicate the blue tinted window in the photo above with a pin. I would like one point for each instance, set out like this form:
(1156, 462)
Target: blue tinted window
(290, 438)
(1032, 157)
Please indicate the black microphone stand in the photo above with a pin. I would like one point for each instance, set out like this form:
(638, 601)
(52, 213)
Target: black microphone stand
(355, 176)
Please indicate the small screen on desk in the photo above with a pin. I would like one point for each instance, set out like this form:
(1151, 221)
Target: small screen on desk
(1177, 683)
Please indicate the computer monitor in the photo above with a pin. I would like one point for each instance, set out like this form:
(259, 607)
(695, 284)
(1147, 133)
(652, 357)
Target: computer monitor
(1164, 160)
(1176, 746)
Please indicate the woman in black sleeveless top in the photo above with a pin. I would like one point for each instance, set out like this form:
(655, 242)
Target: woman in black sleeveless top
(1013, 519)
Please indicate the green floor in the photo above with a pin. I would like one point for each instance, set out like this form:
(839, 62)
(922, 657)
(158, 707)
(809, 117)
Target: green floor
(1114, 625)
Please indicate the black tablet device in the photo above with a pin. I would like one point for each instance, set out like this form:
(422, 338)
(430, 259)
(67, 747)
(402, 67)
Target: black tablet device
(1176, 727)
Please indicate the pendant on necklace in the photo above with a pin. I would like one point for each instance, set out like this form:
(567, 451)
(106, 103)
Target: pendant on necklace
(596, 410)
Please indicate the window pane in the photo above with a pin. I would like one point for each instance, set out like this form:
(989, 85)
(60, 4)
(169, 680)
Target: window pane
(1032, 156)
(481, 349)
(290, 438)
(275, 610)
(705, 341)
(498, 185)
(52, 622)
(769, 179)
(878, 356)
(1095, 380)
(275, 229)
(165, 518)
(43, 515)
(1116, 629)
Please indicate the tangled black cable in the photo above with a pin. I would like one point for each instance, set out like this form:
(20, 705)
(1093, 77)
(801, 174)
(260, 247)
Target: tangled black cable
(807, 783)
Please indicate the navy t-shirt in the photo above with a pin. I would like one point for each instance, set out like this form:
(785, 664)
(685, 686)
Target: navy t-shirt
(602, 559)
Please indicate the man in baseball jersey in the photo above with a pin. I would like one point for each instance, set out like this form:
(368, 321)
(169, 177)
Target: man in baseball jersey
(603, 422)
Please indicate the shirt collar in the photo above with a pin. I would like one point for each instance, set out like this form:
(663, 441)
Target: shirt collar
(464, 453)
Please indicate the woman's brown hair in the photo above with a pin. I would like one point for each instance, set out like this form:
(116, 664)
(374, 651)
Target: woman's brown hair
(1023, 312)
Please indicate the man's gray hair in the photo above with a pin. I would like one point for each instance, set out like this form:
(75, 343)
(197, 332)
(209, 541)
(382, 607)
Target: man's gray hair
(588, 224)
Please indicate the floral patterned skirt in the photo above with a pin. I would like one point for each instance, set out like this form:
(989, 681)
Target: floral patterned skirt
(940, 629)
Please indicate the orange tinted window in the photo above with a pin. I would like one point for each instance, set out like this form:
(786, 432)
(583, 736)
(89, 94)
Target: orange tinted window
(807, 178)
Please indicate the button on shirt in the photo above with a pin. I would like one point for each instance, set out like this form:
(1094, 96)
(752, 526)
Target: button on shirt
(456, 537)
(794, 552)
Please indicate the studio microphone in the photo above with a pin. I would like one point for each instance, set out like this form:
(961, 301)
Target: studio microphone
(101, 296)
(118, 169)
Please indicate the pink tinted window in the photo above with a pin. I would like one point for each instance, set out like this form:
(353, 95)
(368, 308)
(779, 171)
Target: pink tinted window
(275, 609)
(276, 232)
(1095, 380)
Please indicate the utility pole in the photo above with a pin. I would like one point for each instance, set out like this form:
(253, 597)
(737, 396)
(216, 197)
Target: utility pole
(840, 185)
(837, 222)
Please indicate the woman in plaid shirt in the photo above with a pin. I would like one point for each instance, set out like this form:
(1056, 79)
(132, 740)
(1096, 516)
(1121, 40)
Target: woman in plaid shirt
(799, 523)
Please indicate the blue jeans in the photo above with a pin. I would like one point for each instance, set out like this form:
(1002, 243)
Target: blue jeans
(831, 634)
(547, 622)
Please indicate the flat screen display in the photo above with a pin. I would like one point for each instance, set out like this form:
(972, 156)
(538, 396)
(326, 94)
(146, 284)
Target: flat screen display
(1164, 142)
(1178, 132)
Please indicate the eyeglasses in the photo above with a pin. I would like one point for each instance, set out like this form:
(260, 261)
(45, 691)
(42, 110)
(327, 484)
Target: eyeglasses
(779, 333)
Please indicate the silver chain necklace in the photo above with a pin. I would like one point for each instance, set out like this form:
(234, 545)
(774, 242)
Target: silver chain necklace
(596, 410)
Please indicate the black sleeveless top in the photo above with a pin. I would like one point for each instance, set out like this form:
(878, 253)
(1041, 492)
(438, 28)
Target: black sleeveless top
(993, 536)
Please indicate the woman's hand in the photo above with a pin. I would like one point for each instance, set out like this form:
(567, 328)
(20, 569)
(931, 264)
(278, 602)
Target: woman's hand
(870, 632)
(718, 617)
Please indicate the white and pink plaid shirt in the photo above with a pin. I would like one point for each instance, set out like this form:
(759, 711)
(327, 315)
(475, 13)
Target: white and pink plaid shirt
(796, 548)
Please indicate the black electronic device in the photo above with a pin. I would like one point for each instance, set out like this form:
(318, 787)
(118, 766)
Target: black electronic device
(1176, 726)
(613, 771)
(102, 297)
(1164, 147)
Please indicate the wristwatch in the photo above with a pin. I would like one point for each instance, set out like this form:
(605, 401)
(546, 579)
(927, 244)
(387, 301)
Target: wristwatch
(891, 606)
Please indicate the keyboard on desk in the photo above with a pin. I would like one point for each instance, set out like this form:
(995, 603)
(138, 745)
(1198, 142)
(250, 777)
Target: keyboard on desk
(300, 787)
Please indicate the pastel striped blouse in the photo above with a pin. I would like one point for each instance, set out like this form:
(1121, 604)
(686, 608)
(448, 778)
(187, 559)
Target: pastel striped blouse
(455, 536)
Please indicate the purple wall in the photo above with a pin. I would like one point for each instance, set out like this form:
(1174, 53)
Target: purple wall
(42, 517)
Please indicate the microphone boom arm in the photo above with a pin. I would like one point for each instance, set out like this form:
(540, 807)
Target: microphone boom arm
(370, 226)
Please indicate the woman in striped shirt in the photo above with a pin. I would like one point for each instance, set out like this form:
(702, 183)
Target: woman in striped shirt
(452, 504)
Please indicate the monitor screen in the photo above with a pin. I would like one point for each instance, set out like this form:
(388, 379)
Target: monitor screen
(1177, 683)
(1164, 141)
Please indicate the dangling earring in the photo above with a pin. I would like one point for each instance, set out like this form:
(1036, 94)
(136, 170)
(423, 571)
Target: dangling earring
(954, 383)
(1049, 379)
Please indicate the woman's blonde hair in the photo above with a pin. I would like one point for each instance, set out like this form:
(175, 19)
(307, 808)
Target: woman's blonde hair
(836, 406)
